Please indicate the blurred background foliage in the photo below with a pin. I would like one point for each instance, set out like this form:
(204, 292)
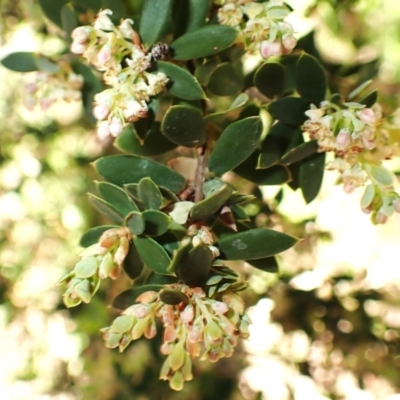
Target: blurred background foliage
(326, 327)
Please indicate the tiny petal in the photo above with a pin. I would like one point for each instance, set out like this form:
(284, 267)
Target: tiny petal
(368, 144)
(103, 130)
(101, 111)
(268, 49)
(343, 139)
(77, 48)
(80, 34)
(104, 54)
(367, 116)
(289, 42)
(116, 127)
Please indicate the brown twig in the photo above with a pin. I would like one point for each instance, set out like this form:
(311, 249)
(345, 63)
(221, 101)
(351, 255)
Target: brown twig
(199, 178)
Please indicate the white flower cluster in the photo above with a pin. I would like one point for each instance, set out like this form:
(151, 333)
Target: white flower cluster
(47, 88)
(360, 143)
(262, 26)
(117, 51)
(351, 129)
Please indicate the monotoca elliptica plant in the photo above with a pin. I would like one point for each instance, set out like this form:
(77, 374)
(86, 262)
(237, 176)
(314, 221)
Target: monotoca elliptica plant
(173, 87)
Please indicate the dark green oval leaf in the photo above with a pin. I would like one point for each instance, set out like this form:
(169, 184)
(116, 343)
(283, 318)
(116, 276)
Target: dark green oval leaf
(154, 143)
(21, 61)
(173, 297)
(135, 223)
(194, 267)
(267, 264)
(236, 144)
(117, 197)
(106, 208)
(369, 99)
(300, 152)
(157, 223)
(289, 110)
(224, 80)
(153, 255)
(69, 19)
(240, 101)
(52, 10)
(153, 20)
(149, 194)
(123, 169)
(184, 126)
(93, 235)
(133, 264)
(189, 15)
(310, 79)
(182, 83)
(206, 41)
(270, 79)
(158, 279)
(311, 174)
(128, 298)
(210, 205)
(275, 175)
(255, 243)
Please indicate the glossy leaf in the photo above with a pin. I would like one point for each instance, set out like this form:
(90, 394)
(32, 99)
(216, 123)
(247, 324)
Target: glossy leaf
(153, 20)
(173, 297)
(52, 10)
(240, 101)
(149, 194)
(210, 205)
(135, 223)
(270, 79)
(300, 152)
(117, 197)
(133, 191)
(69, 19)
(239, 212)
(157, 223)
(21, 61)
(190, 15)
(255, 243)
(184, 126)
(203, 71)
(206, 41)
(158, 279)
(93, 235)
(144, 126)
(267, 264)
(169, 241)
(123, 169)
(310, 79)
(236, 144)
(289, 110)
(194, 266)
(224, 80)
(275, 175)
(128, 298)
(369, 99)
(106, 209)
(133, 264)
(275, 143)
(153, 255)
(311, 174)
(182, 83)
(154, 143)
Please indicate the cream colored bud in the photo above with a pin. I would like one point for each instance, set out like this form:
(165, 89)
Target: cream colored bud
(116, 127)
(122, 250)
(103, 21)
(104, 54)
(367, 116)
(103, 130)
(343, 139)
(77, 48)
(81, 34)
(289, 42)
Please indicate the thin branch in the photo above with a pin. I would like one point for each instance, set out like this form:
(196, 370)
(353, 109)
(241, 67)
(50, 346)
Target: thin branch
(200, 170)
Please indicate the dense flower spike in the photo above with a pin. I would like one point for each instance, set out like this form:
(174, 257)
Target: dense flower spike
(99, 261)
(49, 87)
(262, 26)
(198, 327)
(360, 143)
(118, 52)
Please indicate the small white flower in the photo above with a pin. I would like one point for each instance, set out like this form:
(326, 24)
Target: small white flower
(103, 21)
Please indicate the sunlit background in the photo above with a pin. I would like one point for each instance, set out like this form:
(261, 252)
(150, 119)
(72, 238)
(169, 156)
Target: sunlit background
(326, 327)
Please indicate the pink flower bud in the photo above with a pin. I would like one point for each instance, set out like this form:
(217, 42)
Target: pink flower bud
(77, 48)
(101, 111)
(45, 104)
(368, 144)
(396, 205)
(104, 54)
(268, 49)
(380, 218)
(367, 116)
(349, 186)
(220, 307)
(187, 314)
(80, 34)
(141, 311)
(289, 42)
(103, 130)
(31, 87)
(122, 250)
(116, 127)
(343, 139)
(368, 133)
